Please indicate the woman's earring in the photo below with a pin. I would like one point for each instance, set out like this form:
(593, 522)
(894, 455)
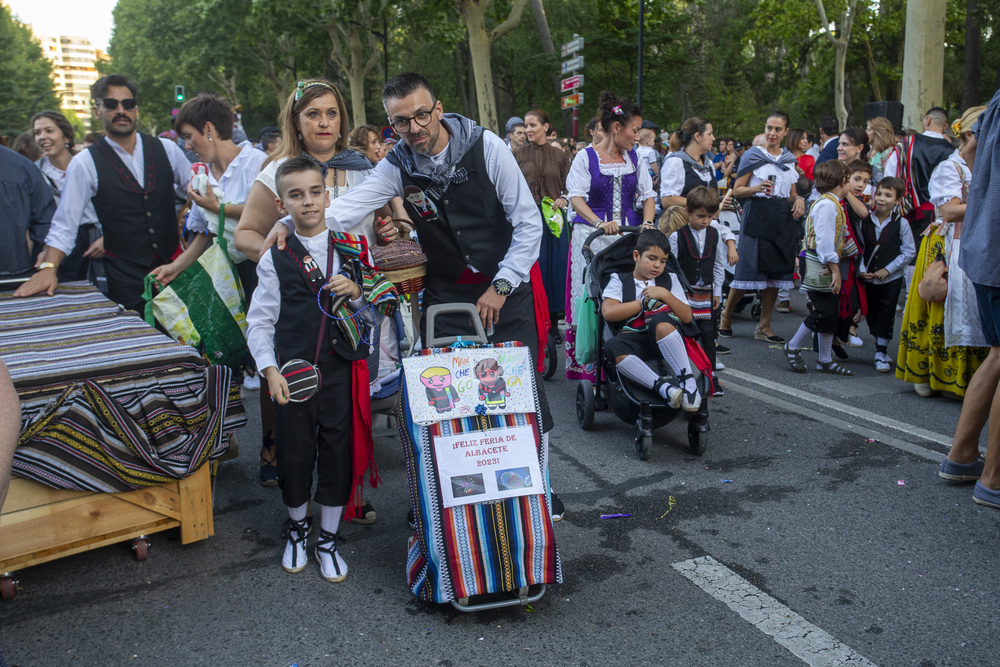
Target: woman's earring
(299, 135)
(210, 138)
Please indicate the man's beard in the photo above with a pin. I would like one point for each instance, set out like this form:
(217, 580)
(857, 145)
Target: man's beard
(111, 130)
(431, 141)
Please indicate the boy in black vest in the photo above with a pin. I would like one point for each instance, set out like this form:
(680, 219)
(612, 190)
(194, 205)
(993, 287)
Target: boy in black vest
(701, 254)
(286, 322)
(888, 248)
(649, 305)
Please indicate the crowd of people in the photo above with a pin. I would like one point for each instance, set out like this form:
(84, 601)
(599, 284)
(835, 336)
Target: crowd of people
(857, 219)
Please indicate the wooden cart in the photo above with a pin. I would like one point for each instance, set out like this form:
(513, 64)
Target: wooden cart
(40, 523)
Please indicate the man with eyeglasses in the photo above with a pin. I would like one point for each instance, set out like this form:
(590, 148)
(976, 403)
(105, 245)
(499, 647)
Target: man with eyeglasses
(473, 211)
(132, 179)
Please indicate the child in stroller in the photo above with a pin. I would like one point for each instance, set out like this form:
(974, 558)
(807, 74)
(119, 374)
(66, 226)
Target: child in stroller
(644, 325)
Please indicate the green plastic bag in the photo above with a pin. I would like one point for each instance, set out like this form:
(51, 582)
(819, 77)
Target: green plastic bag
(204, 306)
(586, 331)
(554, 217)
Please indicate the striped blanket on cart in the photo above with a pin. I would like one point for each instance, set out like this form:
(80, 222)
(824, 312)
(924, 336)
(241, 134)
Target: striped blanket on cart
(474, 549)
(108, 403)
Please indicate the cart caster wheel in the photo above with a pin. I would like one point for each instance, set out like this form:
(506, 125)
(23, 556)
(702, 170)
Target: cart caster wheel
(755, 312)
(697, 440)
(550, 365)
(141, 549)
(8, 588)
(585, 404)
(643, 442)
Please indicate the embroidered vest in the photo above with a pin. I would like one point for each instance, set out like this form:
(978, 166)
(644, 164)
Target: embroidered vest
(697, 265)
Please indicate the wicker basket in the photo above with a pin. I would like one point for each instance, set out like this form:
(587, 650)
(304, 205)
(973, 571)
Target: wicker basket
(403, 262)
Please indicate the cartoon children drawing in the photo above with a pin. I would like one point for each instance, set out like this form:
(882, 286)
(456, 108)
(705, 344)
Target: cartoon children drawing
(492, 387)
(425, 207)
(440, 394)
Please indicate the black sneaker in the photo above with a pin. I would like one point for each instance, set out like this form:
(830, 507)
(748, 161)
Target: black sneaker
(721, 349)
(558, 509)
(717, 386)
(366, 516)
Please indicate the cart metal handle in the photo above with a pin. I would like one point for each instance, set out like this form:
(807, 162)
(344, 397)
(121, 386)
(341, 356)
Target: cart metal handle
(588, 254)
(454, 309)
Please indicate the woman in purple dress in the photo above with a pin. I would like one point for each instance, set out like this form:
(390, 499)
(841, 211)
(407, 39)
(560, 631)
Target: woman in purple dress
(605, 181)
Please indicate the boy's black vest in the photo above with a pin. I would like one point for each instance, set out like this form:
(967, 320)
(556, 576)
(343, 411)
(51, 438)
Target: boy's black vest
(139, 222)
(889, 243)
(692, 179)
(470, 226)
(697, 266)
(299, 321)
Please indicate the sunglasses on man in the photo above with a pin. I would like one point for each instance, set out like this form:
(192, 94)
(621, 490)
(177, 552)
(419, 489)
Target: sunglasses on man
(111, 103)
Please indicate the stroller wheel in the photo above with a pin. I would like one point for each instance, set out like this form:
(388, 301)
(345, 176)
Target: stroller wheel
(643, 441)
(697, 440)
(550, 365)
(755, 311)
(585, 404)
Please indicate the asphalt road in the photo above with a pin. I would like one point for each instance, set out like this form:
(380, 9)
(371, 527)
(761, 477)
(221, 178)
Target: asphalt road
(813, 530)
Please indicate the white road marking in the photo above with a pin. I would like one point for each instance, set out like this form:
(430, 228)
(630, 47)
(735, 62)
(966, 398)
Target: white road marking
(806, 641)
(837, 422)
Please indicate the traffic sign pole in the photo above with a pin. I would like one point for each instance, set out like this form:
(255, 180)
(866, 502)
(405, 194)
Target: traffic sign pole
(574, 82)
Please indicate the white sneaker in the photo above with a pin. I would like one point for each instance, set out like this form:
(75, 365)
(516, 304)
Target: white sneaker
(719, 366)
(882, 366)
(855, 341)
(251, 383)
(331, 565)
(295, 557)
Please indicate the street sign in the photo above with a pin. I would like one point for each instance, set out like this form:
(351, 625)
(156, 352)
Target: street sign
(572, 46)
(574, 100)
(571, 83)
(388, 132)
(572, 65)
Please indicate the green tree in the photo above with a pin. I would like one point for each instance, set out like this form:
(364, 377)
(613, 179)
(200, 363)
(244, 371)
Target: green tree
(25, 75)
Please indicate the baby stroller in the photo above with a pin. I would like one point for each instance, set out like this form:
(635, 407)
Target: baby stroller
(731, 218)
(632, 403)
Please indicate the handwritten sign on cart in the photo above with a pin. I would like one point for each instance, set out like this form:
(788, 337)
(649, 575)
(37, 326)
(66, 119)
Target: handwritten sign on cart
(480, 466)
(462, 382)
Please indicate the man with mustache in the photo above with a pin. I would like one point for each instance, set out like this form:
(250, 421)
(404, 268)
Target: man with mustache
(479, 228)
(133, 180)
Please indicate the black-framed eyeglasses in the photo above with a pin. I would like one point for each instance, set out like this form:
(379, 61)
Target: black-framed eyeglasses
(423, 119)
(111, 103)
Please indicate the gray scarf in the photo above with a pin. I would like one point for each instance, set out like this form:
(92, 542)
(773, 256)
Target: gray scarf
(755, 157)
(348, 160)
(463, 133)
(699, 167)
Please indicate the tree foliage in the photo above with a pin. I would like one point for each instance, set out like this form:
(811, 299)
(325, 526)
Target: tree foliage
(25, 75)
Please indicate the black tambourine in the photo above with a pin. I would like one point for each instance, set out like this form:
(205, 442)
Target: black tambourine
(303, 379)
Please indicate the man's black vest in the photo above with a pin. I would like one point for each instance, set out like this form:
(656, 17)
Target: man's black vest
(469, 227)
(139, 222)
(299, 318)
(889, 243)
(928, 152)
(697, 265)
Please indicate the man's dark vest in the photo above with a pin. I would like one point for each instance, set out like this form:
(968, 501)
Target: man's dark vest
(692, 179)
(928, 152)
(299, 319)
(889, 243)
(697, 265)
(139, 222)
(470, 226)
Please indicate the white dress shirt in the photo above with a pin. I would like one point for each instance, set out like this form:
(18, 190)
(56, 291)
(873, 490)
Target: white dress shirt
(947, 180)
(782, 184)
(81, 186)
(578, 180)
(55, 175)
(719, 267)
(614, 288)
(385, 182)
(266, 303)
(672, 178)
(907, 251)
(235, 185)
(824, 221)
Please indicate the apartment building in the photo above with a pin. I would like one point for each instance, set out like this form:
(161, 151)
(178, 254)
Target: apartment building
(74, 70)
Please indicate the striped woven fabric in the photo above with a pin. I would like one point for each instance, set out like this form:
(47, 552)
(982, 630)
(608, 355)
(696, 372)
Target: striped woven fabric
(479, 548)
(108, 403)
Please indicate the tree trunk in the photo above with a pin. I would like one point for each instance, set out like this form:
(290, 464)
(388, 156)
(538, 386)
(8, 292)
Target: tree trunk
(479, 50)
(356, 76)
(838, 77)
(542, 23)
(973, 54)
(872, 71)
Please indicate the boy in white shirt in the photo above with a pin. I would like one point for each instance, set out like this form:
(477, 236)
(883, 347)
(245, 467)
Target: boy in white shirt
(288, 319)
(828, 250)
(888, 248)
(649, 306)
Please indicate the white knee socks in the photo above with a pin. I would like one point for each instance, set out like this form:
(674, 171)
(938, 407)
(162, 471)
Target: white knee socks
(673, 351)
(298, 513)
(636, 369)
(825, 348)
(329, 518)
(800, 338)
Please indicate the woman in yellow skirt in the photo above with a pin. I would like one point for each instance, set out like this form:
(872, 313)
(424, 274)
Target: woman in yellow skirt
(940, 345)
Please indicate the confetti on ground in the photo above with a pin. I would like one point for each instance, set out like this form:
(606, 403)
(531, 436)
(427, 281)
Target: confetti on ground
(615, 516)
(726, 481)
(672, 501)
(871, 440)
(900, 482)
(777, 347)
(530, 609)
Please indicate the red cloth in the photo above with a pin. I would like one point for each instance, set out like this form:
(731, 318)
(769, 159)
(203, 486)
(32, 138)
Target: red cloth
(470, 277)
(362, 446)
(700, 361)
(542, 322)
(806, 164)
(849, 284)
